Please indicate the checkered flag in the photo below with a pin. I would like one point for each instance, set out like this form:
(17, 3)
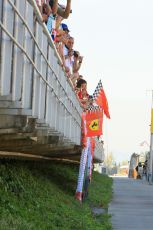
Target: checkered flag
(97, 90)
(100, 99)
(93, 108)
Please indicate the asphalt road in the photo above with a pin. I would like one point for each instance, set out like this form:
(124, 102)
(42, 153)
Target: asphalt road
(132, 205)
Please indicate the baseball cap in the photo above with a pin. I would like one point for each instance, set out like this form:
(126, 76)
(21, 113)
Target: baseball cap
(64, 27)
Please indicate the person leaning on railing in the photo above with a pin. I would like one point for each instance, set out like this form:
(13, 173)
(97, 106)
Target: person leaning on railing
(53, 14)
(62, 36)
(76, 67)
(68, 56)
(49, 10)
(59, 32)
(63, 11)
(82, 93)
(48, 13)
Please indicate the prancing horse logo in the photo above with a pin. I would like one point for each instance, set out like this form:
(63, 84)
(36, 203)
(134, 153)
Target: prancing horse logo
(94, 125)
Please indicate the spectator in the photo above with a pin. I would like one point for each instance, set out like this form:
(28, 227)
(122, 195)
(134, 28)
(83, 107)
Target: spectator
(48, 14)
(40, 4)
(59, 20)
(82, 93)
(69, 61)
(77, 85)
(68, 56)
(145, 169)
(54, 6)
(76, 66)
(62, 30)
(46, 11)
(79, 78)
(62, 10)
(53, 13)
(65, 28)
(69, 46)
(77, 62)
(79, 82)
(61, 41)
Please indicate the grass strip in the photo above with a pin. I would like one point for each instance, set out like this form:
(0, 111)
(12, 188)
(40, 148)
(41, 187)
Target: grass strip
(40, 195)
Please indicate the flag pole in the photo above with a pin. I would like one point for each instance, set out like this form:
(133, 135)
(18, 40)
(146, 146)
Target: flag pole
(151, 143)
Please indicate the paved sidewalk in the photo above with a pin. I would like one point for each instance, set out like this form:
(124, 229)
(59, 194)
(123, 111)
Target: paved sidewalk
(132, 205)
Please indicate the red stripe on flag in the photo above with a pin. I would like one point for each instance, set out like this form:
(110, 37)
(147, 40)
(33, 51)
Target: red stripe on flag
(101, 100)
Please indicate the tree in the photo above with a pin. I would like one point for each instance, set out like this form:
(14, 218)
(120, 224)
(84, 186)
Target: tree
(109, 162)
(125, 162)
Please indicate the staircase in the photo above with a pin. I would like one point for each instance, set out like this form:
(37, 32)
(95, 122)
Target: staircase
(39, 111)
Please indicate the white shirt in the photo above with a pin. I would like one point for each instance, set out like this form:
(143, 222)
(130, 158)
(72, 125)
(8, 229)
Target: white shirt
(65, 51)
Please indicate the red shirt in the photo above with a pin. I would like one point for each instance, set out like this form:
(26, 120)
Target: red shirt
(83, 95)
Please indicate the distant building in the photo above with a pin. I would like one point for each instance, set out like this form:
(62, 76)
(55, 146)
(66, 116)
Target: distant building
(124, 169)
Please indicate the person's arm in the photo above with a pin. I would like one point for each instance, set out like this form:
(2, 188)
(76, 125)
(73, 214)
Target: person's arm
(77, 64)
(64, 13)
(55, 7)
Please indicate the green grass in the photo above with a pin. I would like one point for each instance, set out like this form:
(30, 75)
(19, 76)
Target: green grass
(40, 195)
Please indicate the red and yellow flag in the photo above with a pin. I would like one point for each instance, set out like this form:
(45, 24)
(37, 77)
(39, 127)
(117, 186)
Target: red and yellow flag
(93, 123)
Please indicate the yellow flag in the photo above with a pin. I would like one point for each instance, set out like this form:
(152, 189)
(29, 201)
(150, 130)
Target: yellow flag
(152, 120)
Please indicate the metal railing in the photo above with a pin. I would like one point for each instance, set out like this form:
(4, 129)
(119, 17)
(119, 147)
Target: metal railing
(31, 77)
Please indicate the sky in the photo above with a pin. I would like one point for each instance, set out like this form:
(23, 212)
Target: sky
(116, 39)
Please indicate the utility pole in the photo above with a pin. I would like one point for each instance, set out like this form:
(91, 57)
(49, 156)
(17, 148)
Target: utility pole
(151, 143)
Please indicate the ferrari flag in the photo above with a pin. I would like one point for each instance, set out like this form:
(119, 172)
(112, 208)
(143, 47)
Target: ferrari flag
(94, 120)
